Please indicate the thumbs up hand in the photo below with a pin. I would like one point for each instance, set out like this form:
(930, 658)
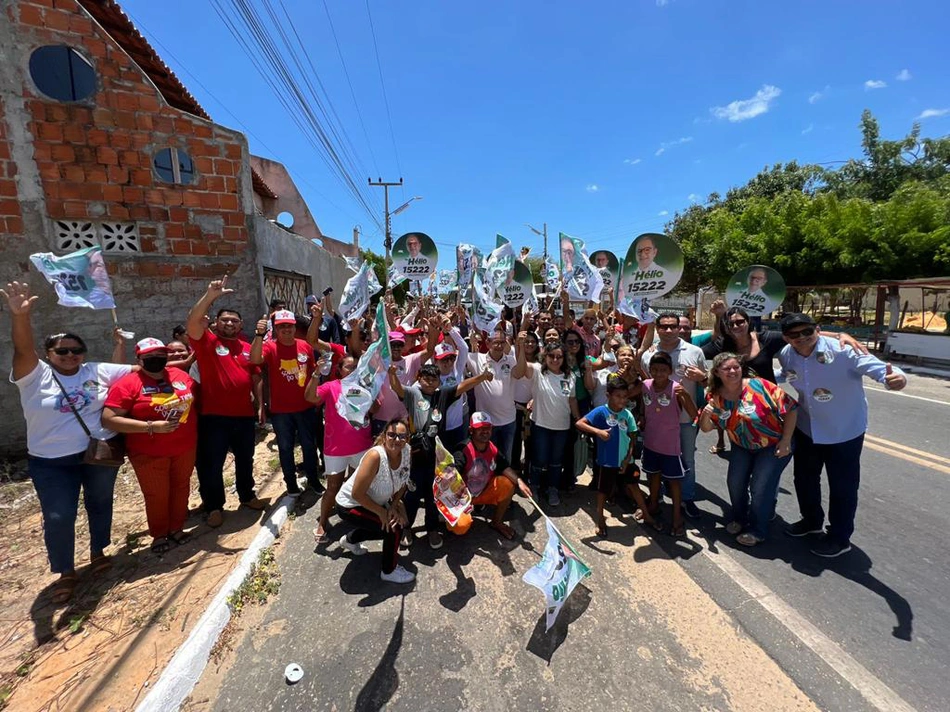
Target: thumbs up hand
(262, 325)
(893, 381)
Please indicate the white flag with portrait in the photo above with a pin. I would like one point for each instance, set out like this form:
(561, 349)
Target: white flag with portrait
(79, 278)
(358, 291)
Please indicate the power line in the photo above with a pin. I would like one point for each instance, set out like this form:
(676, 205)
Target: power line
(379, 66)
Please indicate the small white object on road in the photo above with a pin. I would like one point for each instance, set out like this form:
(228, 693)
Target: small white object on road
(293, 673)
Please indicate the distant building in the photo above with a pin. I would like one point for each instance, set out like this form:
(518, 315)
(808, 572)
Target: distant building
(101, 144)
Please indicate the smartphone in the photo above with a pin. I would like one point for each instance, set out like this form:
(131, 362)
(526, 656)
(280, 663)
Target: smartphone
(327, 291)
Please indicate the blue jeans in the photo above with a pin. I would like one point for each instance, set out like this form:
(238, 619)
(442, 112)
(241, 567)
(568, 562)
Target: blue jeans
(503, 436)
(755, 472)
(292, 428)
(688, 446)
(842, 462)
(58, 481)
(547, 456)
(217, 434)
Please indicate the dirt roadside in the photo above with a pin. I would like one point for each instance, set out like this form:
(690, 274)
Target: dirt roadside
(103, 649)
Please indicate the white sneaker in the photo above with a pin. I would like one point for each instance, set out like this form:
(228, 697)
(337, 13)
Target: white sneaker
(398, 575)
(355, 549)
(554, 498)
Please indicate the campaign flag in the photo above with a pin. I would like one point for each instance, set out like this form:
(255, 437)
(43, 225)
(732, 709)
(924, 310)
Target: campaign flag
(79, 278)
(531, 303)
(558, 572)
(359, 390)
(552, 275)
(353, 263)
(451, 494)
(448, 281)
(581, 280)
(395, 276)
(638, 308)
(357, 292)
(486, 313)
(499, 263)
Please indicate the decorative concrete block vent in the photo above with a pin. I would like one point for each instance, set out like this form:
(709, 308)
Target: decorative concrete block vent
(72, 235)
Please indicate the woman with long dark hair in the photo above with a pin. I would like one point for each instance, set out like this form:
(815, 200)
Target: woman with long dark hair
(577, 363)
(522, 394)
(62, 400)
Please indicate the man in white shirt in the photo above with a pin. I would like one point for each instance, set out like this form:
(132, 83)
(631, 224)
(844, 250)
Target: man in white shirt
(496, 397)
(689, 367)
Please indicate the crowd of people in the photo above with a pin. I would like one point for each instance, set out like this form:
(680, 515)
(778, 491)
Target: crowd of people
(525, 409)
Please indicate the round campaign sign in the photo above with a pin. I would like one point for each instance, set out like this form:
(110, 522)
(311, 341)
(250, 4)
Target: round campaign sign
(517, 286)
(757, 289)
(652, 267)
(415, 255)
(608, 265)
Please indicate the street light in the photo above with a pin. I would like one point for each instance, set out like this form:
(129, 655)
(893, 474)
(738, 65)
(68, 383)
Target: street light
(541, 234)
(405, 205)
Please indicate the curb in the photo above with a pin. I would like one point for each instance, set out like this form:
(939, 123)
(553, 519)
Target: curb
(189, 661)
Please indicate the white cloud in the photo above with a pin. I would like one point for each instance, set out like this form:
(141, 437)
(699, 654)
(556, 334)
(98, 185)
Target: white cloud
(631, 161)
(874, 84)
(933, 113)
(662, 3)
(743, 109)
(592, 188)
(819, 95)
(663, 213)
(904, 75)
(693, 198)
(669, 144)
(808, 129)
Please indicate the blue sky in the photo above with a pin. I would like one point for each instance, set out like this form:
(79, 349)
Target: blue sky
(601, 119)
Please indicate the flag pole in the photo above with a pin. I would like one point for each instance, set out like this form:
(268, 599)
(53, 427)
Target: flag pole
(554, 527)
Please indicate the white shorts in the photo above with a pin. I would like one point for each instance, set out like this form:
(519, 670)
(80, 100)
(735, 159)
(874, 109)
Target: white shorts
(337, 464)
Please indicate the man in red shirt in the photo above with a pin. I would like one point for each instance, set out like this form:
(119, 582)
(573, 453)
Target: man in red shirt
(289, 362)
(230, 397)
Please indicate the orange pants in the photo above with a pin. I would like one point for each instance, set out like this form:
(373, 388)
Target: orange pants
(499, 489)
(165, 483)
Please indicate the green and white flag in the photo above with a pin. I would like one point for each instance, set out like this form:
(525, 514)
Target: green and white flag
(558, 572)
(499, 263)
(552, 275)
(357, 293)
(581, 280)
(79, 278)
(395, 276)
(486, 313)
(360, 388)
(448, 281)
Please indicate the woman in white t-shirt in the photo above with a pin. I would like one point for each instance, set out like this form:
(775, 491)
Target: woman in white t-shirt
(555, 408)
(522, 394)
(56, 441)
(372, 499)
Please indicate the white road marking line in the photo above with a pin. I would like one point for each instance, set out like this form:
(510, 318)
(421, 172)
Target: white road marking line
(905, 395)
(872, 689)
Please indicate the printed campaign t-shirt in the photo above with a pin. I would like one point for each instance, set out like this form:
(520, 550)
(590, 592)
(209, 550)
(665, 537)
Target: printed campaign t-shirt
(226, 375)
(289, 369)
(497, 396)
(622, 425)
(661, 412)
(340, 438)
(551, 393)
(51, 428)
(145, 398)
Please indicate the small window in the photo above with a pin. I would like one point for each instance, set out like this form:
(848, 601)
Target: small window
(62, 73)
(174, 166)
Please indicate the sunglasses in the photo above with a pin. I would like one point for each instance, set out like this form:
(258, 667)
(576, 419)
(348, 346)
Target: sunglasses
(401, 437)
(667, 327)
(801, 333)
(75, 351)
(738, 322)
(556, 358)
(572, 342)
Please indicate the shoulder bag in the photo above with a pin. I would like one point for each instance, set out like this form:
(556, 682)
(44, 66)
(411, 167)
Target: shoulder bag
(107, 453)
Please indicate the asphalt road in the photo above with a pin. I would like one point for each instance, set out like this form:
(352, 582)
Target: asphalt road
(885, 603)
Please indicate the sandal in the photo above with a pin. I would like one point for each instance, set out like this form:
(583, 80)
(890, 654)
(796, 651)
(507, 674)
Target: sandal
(64, 587)
(321, 537)
(601, 532)
(100, 564)
(503, 529)
(180, 538)
(161, 546)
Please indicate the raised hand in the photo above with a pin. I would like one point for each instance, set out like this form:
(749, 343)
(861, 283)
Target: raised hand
(261, 327)
(718, 308)
(18, 297)
(218, 288)
(893, 381)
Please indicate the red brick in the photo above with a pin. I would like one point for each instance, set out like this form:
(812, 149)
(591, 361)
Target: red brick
(223, 167)
(112, 192)
(50, 172)
(225, 248)
(95, 46)
(125, 120)
(141, 176)
(56, 20)
(90, 191)
(234, 219)
(148, 269)
(155, 197)
(120, 140)
(233, 234)
(80, 26)
(118, 174)
(229, 202)
(81, 115)
(14, 225)
(49, 132)
(74, 209)
(233, 150)
(187, 270)
(180, 247)
(178, 215)
(148, 230)
(146, 243)
(193, 232)
(32, 16)
(51, 189)
(73, 133)
(202, 130)
(97, 137)
(41, 152)
(216, 184)
(85, 154)
(148, 103)
(103, 117)
(56, 112)
(211, 201)
(125, 101)
(69, 191)
(8, 189)
(174, 230)
(141, 140)
(230, 186)
(200, 247)
(173, 197)
(166, 270)
(157, 214)
(163, 124)
(191, 199)
(117, 211)
(62, 153)
(133, 195)
(184, 127)
(143, 122)
(96, 173)
(9, 207)
(203, 164)
(130, 159)
(107, 156)
(74, 173)
(138, 212)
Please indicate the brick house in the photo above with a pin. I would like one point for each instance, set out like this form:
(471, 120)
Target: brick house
(100, 143)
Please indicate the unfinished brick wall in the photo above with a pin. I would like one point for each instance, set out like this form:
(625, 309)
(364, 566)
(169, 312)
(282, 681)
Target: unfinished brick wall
(91, 160)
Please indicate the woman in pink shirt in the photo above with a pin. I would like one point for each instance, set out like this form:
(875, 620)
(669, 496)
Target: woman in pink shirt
(343, 444)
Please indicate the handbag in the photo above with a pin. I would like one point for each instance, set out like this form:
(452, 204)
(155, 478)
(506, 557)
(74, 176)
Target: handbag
(107, 453)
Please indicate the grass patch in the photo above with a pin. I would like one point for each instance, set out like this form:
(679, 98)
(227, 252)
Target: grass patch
(262, 581)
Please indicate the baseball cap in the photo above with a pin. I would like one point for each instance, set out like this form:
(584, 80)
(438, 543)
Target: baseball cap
(397, 336)
(147, 346)
(480, 420)
(310, 299)
(412, 332)
(790, 321)
(444, 351)
(284, 316)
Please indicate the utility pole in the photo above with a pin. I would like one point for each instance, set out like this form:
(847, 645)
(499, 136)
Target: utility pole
(388, 242)
(543, 233)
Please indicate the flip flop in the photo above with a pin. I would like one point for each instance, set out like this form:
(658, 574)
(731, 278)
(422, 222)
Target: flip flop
(161, 546)
(100, 564)
(320, 538)
(180, 537)
(64, 588)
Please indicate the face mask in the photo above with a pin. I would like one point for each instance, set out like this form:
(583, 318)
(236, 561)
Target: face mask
(154, 364)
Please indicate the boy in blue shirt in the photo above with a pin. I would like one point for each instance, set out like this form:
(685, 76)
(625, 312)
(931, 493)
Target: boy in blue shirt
(614, 430)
